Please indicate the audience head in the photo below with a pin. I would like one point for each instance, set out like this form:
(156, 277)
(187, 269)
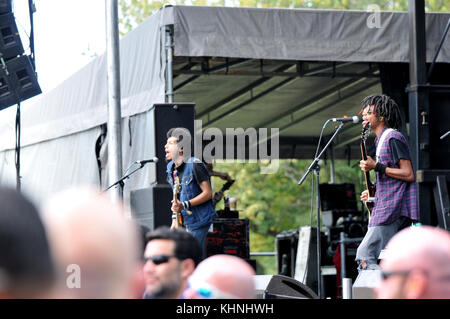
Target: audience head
(26, 266)
(222, 277)
(171, 257)
(93, 239)
(416, 265)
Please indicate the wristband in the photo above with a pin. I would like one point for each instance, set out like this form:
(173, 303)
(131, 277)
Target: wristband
(381, 168)
(186, 205)
(174, 216)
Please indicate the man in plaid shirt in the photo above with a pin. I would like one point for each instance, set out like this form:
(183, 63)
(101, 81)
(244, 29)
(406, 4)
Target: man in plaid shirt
(395, 201)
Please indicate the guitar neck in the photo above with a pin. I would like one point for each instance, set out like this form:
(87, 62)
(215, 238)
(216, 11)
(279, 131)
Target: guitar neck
(364, 157)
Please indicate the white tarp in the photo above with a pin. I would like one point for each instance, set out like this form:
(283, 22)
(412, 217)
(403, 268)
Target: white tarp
(60, 128)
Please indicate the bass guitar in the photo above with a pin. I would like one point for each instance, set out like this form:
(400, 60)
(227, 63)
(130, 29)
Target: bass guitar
(369, 185)
(176, 191)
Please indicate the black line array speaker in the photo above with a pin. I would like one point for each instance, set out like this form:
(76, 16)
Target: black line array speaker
(18, 80)
(167, 116)
(283, 287)
(5, 6)
(151, 206)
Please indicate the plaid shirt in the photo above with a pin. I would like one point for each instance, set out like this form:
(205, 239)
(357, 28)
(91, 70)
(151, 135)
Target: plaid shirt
(393, 197)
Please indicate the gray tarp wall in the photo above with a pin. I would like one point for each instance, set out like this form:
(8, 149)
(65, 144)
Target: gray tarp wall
(300, 34)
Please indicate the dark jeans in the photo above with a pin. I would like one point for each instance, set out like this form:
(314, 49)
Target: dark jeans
(200, 234)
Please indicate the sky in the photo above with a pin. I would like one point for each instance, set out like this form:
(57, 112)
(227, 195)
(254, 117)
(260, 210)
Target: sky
(66, 35)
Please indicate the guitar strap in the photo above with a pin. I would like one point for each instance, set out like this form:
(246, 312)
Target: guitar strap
(380, 143)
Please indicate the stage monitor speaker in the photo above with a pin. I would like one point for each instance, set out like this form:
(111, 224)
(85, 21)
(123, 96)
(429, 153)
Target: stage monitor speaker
(151, 206)
(165, 117)
(283, 287)
(10, 43)
(17, 81)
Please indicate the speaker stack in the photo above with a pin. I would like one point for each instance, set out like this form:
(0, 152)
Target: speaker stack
(18, 80)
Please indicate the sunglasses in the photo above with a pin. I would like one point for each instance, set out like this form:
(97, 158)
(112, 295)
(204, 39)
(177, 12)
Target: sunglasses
(386, 274)
(158, 259)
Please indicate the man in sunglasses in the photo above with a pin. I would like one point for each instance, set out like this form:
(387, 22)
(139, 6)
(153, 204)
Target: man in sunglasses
(416, 265)
(170, 258)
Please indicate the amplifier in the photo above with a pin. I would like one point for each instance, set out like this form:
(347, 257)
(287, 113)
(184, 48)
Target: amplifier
(229, 236)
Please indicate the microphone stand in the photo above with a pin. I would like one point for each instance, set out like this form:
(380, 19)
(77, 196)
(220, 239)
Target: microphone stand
(446, 134)
(316, 167)
(121, 180)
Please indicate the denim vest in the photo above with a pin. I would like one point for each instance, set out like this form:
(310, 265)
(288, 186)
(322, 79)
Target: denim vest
(202, 214)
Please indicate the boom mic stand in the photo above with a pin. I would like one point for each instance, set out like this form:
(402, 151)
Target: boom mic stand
(121, 180)
(316, 167)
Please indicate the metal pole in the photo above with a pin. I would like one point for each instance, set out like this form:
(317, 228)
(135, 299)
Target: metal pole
(319, 272)
(169, 60)
(347, 288)
(114, 112)
(343, 253)
(419, 108)
(332, 171)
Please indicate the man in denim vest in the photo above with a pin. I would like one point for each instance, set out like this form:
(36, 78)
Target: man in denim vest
(195, 196)
(395, 201)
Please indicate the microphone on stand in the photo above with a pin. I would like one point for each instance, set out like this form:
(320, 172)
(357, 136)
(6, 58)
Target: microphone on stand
(151, 160)
(353, 119)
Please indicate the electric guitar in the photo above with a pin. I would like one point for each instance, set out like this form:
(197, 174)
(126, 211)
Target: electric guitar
(176, 191)
(369, 185)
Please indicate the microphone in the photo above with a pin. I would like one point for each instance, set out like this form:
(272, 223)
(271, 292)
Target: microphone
(353, 119)
(151, 160)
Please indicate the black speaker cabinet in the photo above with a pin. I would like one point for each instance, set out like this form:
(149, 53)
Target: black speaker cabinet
(165, 117)
(151, 206)
(283, 287)
(229, 236)
(286, 249)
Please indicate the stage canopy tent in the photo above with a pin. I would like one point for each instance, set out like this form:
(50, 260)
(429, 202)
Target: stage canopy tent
(290, 69)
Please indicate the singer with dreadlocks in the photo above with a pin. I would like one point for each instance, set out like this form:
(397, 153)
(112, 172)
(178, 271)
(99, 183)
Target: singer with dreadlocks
(395, 201)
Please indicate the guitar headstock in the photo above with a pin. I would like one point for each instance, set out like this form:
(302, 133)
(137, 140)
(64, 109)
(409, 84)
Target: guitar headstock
(365, 132)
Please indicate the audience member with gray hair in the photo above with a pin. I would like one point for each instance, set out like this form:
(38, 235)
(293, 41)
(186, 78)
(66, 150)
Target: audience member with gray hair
(93, 239)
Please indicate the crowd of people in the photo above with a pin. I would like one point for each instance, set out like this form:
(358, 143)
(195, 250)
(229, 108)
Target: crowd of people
(81, 244)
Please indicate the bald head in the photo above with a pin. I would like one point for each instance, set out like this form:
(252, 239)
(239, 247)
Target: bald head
(229, 274)
(423, 252)
(89, 231)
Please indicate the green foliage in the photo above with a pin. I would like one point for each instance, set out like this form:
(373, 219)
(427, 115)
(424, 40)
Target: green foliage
(275, 202)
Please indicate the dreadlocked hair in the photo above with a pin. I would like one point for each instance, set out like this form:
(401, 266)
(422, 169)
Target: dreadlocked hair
(386, 108)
